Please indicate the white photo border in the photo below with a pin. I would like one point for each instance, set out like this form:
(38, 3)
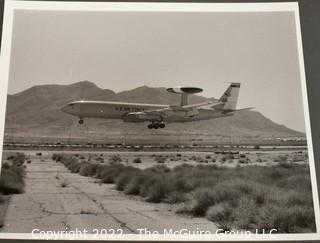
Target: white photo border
(11, 6)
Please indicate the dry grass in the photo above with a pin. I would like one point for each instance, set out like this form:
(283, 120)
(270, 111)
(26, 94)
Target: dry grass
(12, 175)
(250, 198)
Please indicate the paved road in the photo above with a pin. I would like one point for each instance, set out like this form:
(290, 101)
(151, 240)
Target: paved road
(85, 204)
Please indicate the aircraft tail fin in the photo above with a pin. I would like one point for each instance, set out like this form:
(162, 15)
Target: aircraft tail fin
(228, 101)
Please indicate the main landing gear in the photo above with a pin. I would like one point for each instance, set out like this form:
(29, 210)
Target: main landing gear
(156, 125)
(81, 121)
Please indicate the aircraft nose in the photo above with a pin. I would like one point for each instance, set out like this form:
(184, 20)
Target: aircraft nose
(66, 109)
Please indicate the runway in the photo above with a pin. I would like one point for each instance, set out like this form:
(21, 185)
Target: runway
(56, 199)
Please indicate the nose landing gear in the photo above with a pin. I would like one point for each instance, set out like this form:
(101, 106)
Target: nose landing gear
(81, 121)
(156, 125)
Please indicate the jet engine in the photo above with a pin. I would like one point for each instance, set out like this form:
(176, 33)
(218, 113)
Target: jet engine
(193, 112)
(139, 117)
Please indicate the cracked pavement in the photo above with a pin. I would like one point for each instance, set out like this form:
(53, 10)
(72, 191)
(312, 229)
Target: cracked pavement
(56, 199)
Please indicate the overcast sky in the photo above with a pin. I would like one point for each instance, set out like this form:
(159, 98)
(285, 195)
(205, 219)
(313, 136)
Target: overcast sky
(121, 51)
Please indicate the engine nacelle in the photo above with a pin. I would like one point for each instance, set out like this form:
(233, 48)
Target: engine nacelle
(193, 112)
(139, 116)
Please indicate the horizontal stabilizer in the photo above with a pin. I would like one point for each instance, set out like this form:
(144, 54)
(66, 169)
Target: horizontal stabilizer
(245, 109)
(236, 110)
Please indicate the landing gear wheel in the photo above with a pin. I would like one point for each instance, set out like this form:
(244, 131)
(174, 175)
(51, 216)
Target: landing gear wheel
(156, 125)
(80, 121)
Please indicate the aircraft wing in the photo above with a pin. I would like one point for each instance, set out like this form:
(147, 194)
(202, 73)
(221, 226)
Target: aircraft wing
(199, 105)
(162, 112)
(236, 110)
(148, 114)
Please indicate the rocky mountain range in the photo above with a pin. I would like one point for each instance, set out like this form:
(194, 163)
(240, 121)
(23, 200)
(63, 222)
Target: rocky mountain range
(36, 112)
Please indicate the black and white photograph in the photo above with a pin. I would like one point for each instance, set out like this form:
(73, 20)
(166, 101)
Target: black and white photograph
(149, 119)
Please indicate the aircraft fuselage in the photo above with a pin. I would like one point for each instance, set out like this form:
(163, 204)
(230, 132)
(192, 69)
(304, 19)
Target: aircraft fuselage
(119, 110)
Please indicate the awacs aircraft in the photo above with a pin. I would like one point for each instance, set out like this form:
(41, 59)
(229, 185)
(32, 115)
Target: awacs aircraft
(158, 115)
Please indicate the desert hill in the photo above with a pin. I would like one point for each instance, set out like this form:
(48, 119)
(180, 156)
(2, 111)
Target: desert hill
(36, 112)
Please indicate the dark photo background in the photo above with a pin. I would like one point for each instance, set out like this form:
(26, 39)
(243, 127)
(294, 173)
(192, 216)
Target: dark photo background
(310, 21)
